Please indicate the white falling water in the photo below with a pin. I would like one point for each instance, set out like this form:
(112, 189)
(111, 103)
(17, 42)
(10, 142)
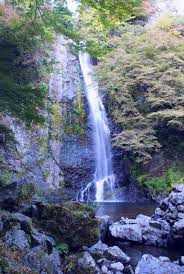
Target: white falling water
(104, 178)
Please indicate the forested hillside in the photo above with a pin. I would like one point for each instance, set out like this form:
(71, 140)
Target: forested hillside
(91, 137)
(143, 76)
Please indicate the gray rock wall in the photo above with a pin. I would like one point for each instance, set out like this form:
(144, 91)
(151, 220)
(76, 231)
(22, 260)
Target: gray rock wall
(58, 155)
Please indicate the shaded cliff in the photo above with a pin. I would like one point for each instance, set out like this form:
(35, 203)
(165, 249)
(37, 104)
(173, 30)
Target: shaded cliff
(58, 154)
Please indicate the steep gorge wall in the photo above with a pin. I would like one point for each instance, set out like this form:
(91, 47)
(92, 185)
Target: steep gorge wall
(58, 155)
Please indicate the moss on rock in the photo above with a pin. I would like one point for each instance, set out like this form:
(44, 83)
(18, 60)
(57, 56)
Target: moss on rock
(71, 223)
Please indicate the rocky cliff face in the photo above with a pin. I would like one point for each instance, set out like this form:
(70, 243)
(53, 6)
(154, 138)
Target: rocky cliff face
(58, 154)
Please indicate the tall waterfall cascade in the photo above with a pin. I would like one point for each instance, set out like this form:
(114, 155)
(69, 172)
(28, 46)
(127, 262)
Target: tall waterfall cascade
(104, 179)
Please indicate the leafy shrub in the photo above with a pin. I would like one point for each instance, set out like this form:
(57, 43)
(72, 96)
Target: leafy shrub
(172, 176)
(63, 248)
(27, 191)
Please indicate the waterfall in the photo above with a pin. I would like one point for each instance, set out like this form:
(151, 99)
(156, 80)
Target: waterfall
(104, 179)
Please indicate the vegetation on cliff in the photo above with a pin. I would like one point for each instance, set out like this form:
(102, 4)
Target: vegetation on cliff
(27, 29)
(143, 76)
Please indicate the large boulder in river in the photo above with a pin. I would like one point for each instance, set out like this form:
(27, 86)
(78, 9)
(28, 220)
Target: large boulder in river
(114, 253)
(165, 227)
(126, 231)
(71, 223)
(149, 265)
(140, 230)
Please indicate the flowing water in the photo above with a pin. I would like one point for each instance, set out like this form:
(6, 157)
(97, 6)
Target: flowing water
(104, 179)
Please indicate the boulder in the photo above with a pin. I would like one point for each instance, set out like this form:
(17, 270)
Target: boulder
(128, 270)
(158, 213)
(18, 238)
(149, 265)
(39, 261)
(105, 262)
(178, 228)
(114, 253)
(143, 219)
(104, 226)
(182, 260)
(21, 217)
(126, 232)
(71, 223)
(43, 240)
(181, 215)
(180, 208)
(104, 269)
(177, 198)
(87, 264)
(97, 250)
(25, 221)
(155, 224)
(154, 236)
(179, 188)
(164, 259)
(164, 204)
(117, 266)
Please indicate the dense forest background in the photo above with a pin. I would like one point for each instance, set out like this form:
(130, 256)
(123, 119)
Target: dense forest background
(140, 68)
(46, 146)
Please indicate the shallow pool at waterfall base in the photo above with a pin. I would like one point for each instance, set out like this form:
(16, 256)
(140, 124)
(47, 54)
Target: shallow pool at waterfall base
(131, 210)
(116, 210)
(135, 252)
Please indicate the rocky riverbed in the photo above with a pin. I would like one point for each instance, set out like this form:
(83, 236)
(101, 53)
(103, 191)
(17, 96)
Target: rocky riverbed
(38, 237)
(164, 229)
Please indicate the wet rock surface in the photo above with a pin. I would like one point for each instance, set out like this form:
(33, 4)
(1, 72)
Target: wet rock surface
(29, 241)
(165, 227)
(31, 236)
(23, 249)
(149, 265)
(71, 223)
(58, 155)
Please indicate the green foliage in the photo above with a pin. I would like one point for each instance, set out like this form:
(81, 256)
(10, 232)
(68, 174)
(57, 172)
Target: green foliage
(171, 177)
(75, 119)
(26, 29)
(22, 90)
(7, 134)
(121, 10)
(143, 76)
(56, 115)
(98, 23)
(26, 192)
(63, 248)
(5, 177)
